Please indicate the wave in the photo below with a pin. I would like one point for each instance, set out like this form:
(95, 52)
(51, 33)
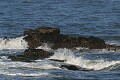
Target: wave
(117, 43)
(14, 43)
(19, 43)
(70, 58)
(45, 46)
(6, 63)
(23, 74)
(11, 68)
(68, 55)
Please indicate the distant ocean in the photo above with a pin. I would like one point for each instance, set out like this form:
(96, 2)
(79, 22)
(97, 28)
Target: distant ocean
(100, 18)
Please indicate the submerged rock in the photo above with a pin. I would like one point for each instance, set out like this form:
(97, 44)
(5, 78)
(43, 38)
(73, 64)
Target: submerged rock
(57, 60)
(73, 67)
(31, 55)
(21, 58)
(70, 67)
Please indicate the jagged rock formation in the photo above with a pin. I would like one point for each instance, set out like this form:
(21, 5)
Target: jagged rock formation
(52, 36)
(39, 36)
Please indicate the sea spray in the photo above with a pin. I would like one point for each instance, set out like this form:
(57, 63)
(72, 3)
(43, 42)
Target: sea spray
(113, 42)
(62, 54)
(45, 46)
(92, 64)
(13, 43)
(70, 58)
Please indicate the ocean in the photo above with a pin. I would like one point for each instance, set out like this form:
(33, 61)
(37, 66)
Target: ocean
(100, 18)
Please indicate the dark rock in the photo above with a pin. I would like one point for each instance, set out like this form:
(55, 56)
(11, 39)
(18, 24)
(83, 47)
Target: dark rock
(30, 55)
(34, 54)
(65, 41)
(42, 30)
(83, 42)
(52, 36)
(41, 35)
(96, 39)
(96, 43)
(57, 60)
(70, 67)
(19, 58)
(73, 67)
(91, 42)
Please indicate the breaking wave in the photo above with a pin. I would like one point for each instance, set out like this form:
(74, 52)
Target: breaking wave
(15, 68)
(70, 58)
(14, 43)
(117, 43)
(68, 55)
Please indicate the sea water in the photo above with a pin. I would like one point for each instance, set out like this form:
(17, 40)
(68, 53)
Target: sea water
(100, 18)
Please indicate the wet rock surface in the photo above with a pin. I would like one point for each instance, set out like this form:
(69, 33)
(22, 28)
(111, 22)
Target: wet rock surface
(74, 68)
(52, 36)
(70, 67)
(30, 55)
(92, 42)
(41, 35)
(34, 54)
(21, 58)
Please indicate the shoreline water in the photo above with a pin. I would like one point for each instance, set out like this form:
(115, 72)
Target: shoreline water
(99, 18)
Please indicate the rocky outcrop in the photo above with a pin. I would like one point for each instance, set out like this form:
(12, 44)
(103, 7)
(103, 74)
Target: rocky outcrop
(57, 40)
(30, 55)
(41, 35)
(52, 36)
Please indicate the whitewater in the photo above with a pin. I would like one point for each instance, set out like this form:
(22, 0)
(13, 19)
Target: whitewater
(80, 57)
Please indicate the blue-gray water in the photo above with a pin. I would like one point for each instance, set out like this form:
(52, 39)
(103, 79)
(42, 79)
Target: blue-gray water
(99, 18)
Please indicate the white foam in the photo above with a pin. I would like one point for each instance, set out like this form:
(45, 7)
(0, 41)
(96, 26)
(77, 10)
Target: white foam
(14, 43)
(3, 57)
(45, 47)
(68, 55)
(92, 64)
(113, 43)
(62, 54)
(8, 67)
(10, 73)
(5, 64)
(42, 66)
